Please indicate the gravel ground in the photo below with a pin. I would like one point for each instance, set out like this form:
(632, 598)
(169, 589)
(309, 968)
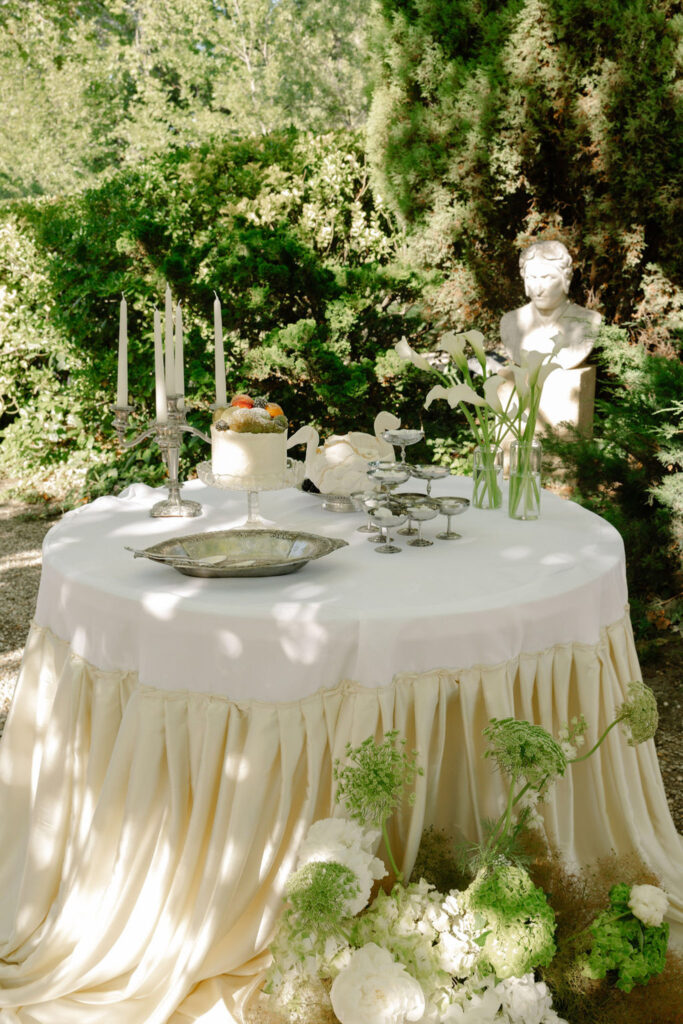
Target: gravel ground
(23, 527)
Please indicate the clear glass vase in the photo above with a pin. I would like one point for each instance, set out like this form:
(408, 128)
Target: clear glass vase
(524, 494)
(488, 474)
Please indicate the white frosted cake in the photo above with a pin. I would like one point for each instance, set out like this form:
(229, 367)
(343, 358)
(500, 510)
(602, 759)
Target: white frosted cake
(249, 444)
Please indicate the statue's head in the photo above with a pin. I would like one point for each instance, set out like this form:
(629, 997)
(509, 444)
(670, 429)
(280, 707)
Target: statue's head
(546, 269)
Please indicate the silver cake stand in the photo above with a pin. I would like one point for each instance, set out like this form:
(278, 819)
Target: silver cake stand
(292, 477)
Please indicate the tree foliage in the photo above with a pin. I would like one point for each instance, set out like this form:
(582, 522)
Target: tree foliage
(284, 229)
(91, 85)
(497, 122)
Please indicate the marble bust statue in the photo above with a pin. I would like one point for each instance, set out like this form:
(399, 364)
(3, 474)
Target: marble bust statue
(550, 315)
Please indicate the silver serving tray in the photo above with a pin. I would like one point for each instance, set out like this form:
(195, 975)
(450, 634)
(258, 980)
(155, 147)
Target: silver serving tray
(250, 552)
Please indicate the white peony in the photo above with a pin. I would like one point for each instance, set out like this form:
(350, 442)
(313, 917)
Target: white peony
(374, 989)
(649, 904)
(345, 842)
(526, 1001)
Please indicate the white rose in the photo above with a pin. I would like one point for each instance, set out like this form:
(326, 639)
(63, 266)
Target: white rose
(374, 989)
(649, 904)
(525, 1000)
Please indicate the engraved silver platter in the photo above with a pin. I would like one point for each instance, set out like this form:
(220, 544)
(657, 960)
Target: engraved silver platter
(240, 552)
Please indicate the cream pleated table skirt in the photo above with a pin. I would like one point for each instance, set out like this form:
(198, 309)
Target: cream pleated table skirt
(147, 834)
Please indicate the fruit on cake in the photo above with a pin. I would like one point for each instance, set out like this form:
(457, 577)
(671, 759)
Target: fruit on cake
(249, 443)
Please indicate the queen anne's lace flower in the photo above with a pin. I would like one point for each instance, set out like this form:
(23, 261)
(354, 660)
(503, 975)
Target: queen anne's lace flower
(649, 904)
(525, 751)
(374, 989)
(638, 714)
(344, 842)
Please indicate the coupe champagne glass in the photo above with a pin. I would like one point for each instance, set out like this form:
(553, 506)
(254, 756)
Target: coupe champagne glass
(429, 473)
(386, 518)
(450, 507)
(366, 502)
(421, 513)
(390, 476)
(402, 438)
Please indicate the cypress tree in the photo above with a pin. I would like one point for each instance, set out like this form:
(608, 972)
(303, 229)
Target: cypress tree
(494, 123)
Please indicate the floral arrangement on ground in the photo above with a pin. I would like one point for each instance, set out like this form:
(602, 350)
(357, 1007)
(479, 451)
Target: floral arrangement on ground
(497, 932)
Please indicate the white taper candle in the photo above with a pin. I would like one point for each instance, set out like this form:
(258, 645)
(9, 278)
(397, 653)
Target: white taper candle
(160, 383)
(179, 368)
(221, 398)
(122, 376)
(168, 344)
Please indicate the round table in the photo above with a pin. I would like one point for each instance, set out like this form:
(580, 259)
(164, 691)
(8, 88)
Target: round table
(172, 737)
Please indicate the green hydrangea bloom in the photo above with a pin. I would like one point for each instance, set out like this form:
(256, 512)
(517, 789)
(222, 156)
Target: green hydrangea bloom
(622, 943)
(519, 920)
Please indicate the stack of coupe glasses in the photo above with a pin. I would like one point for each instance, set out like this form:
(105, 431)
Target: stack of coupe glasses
(406, 511)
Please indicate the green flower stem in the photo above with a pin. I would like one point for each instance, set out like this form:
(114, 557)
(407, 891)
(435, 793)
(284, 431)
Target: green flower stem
(394, 866)
(487, 492)
(501, 829)
(575, 760)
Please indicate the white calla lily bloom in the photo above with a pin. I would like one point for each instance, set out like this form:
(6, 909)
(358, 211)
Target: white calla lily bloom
(454, 344)
(476, 340)
(491, 385)
(405, 351)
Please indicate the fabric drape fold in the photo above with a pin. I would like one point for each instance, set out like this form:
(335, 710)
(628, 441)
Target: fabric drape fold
(147, 835)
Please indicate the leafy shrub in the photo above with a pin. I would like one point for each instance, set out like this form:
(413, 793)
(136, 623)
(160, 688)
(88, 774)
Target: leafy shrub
(284, 229)
(630, 471)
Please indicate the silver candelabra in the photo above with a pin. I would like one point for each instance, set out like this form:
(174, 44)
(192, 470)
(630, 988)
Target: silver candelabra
(168, 436)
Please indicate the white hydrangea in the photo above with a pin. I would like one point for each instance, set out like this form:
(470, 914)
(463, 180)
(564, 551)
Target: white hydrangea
(649, 904)
(345, 842)
(526, 1001)
(475, 1006)
(375, 989)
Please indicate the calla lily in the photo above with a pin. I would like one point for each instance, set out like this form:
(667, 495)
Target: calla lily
(491, 385)
(545, 372)
(464, 393)
(476, 340)
(532, 362)
(404, 350)
(439, 391)
(454, 344)
(521, 383)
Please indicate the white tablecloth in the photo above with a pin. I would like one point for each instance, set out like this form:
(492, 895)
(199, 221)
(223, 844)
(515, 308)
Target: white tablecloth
(505, 587)
(172, 738)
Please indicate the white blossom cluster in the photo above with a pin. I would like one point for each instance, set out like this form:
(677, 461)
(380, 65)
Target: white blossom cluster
(411, 955)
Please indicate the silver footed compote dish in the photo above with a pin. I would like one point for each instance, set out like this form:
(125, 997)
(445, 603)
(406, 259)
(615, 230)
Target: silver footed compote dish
(249, 552)
(449, 507)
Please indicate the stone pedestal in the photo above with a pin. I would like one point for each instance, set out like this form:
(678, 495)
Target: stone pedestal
(568, 397)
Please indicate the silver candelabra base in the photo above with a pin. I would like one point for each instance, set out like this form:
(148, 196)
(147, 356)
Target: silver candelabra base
(168, 436)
